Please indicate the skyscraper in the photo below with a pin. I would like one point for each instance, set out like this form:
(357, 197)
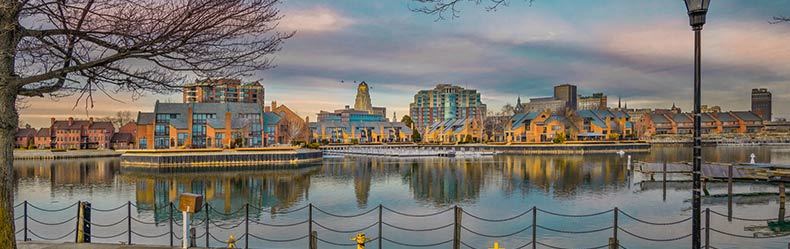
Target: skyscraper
(567, 93)
(443, 103)
(761, 103)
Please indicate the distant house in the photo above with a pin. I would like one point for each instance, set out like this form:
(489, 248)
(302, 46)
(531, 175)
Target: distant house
(25, 137)
(658, 123)
(82, 134)
(44, 138)
(122, 141)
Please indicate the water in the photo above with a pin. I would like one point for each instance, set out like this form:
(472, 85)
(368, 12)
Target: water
(491, 187)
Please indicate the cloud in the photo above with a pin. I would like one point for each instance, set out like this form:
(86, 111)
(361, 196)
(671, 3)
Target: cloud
(315, 19)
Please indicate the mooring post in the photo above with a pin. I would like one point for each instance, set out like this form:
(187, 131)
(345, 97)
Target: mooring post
(534, 227)
(128, 222)
(170, 221)
(707, 228)
(193, 237)
(782, 202)
(457, 229)
(729, 191)
(381, 235)
(84, 223)
(246, 226)
(613, 243)
(25, 224)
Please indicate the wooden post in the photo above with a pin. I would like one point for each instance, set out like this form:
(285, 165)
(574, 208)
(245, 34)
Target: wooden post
(534, 227)
(782, 202)
(729, 191)
(314, 240)
(457, 229)
(129, 222)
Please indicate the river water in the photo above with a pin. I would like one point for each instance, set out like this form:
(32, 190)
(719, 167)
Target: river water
(493, 188)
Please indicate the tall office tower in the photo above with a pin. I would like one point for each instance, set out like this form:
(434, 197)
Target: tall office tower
(761, 103)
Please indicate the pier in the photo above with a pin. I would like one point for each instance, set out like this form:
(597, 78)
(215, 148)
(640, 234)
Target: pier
(174, 161)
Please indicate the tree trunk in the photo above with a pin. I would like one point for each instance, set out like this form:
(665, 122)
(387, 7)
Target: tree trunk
(8, 126)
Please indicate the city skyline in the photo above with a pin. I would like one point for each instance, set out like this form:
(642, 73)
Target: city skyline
(645, 60)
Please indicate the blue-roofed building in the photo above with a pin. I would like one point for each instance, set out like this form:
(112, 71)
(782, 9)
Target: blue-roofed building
(355, 126)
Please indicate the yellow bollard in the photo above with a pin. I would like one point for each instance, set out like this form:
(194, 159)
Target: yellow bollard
(232, 241)
(496, 246)
(361, 240)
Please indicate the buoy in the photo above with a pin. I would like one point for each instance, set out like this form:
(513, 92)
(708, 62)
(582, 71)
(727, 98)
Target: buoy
(752, 156)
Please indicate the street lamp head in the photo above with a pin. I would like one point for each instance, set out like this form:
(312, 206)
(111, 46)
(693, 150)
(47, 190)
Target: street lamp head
(696, 11)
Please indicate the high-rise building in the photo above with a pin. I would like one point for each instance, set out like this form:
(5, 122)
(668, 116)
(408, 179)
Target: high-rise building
(597, 101)
(223, 91)
(567, 93)
(445, 102)
(761, 103)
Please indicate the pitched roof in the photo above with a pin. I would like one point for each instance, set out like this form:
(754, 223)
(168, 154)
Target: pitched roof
(122, 138)
(747, 116)
(725, 117)
(270, 118)
(44, 132)
(26, 132)
(146, 118)
(102, 125)
(521, 119)
(681, 118)
(593, 116)
(658, 118)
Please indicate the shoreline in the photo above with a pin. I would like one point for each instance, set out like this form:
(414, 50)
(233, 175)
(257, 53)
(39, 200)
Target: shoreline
(521, 149)
(69, 154)
(180, 161)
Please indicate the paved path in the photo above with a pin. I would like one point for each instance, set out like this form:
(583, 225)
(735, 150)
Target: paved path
(40, 245)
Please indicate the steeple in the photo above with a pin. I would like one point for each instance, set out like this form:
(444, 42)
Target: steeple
(626, 105)
(619, 102)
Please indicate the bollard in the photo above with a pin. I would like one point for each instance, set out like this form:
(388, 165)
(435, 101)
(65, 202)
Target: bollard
(232, 241)
(360, 239)
(247, 226)
(207, 207)
(496, 245)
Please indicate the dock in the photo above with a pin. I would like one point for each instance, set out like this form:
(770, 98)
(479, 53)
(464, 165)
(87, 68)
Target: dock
(712, 171)
(177, 161)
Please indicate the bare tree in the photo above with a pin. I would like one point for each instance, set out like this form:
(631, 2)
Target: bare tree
(119, 119)
(780, 19)
(53, 48)
(441, 8)
(296, 130)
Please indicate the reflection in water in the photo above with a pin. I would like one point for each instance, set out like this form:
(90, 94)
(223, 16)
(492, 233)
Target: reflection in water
(493, 186)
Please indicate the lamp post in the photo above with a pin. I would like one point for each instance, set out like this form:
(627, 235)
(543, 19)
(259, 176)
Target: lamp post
(696, 11)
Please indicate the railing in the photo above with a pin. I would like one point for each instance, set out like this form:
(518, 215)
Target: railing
(307, 229)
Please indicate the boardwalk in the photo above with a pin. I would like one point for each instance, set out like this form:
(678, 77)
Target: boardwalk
(710, 171)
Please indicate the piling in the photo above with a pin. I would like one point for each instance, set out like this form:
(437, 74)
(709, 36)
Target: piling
(457, 229)
(781, 202)
(729, 192)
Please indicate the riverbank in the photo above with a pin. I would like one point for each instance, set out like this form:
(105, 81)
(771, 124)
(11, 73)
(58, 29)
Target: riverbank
(69, 154)
(518, 149)
(164, 161)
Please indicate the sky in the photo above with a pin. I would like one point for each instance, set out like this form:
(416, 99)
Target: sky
(640, 51)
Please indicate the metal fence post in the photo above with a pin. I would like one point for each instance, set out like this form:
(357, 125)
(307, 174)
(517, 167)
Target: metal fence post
(534, 227)
(457, 230)
(170, 220)
(207, 207)
(247, 226)
(128, 222)
(707, 228)
(310, 218)
(381, 235)
(26, 238)
(614, 244)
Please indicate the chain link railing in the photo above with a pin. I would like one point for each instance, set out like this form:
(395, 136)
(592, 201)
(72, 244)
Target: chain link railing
(239, 221)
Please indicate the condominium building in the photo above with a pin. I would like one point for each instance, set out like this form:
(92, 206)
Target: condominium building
(223, 90)
(761, 103)
(445, 102)
(596, 101)
(200, 125)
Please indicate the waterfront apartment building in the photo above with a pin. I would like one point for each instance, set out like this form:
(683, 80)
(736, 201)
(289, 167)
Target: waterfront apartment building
(223, 90)
(761, 103)
(463, 130)
(79, 134)
(734, 122)
(582, 125)
(200, 125)
(445, 102)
